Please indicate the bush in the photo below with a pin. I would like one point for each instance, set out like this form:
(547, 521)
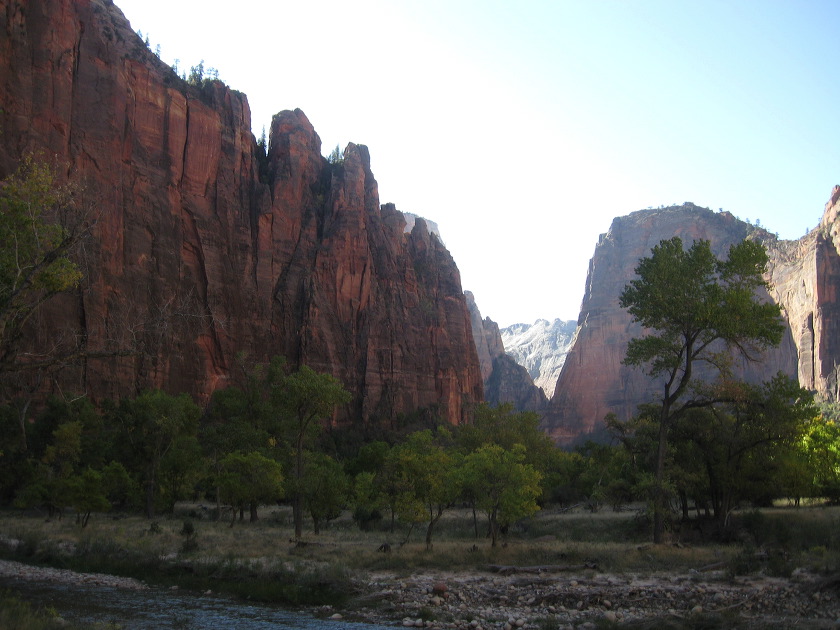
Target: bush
(367, 518)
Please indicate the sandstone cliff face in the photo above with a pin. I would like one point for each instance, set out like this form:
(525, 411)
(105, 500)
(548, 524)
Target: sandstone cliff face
(593, 381)
(505, 381)
(204, 248)
(805, 281)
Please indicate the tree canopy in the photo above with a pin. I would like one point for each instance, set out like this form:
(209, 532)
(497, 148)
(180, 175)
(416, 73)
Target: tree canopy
(696, 309)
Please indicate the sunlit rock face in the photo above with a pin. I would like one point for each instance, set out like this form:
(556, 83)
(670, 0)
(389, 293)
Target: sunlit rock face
(505, 381)
(206, 247)
(805, 281)
(541, 348)
(593, 381)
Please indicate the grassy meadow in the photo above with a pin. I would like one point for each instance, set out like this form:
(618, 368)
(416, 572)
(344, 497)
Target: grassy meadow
(261, 560)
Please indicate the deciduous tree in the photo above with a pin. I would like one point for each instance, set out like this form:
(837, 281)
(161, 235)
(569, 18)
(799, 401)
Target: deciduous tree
(505, 487)
(696, 309)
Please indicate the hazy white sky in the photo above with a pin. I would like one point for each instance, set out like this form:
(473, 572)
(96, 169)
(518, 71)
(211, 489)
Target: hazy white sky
(522, 128)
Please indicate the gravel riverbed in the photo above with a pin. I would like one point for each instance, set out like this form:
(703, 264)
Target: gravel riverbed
(561, 600)
(582, 601)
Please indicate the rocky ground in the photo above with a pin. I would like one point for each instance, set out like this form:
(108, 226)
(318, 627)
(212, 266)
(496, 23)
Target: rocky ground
(17, 570)
(590, 600)
(511, 598)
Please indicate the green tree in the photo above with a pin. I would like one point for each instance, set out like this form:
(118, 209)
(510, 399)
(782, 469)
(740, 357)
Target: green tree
(250, 479)
(820, 448)
(505, 487)
(325, 489)
(243, 417)
(742, 445)
(149, 427)
(181, 468)
(87, 495)
(49, 485)
(694, 307)
(305, 400)
(425, 472)
(41, 224)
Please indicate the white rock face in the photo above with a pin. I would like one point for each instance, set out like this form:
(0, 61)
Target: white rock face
(541, 348)
(411, 219)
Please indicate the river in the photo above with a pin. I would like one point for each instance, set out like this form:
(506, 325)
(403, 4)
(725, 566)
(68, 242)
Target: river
(159, 609)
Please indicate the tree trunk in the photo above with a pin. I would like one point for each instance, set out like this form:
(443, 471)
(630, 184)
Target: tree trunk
(659, 495)
(218, 514)
(150, 495)
(475, 520)
(254, 516)
(297, 499)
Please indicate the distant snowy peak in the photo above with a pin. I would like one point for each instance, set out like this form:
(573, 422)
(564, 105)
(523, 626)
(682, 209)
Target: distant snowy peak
(541, 348)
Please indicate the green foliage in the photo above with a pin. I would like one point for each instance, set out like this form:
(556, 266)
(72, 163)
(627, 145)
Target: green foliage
(696, 309)
(423, 471)
(250, 479)
(304, 401)
(150, 426)
(506, 428)
(336, 156)
(502, 485)
(325, 489)
(688, 300)
(39, 227)
(86, 494)
(741, 446)
(21, 615)
(820, 454)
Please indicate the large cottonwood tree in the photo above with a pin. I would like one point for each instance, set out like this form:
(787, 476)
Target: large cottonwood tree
(696, 309)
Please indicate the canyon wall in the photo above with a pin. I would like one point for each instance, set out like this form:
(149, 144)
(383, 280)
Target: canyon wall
(205, 247)
(593, 381)
(505, 380)
(805, 280)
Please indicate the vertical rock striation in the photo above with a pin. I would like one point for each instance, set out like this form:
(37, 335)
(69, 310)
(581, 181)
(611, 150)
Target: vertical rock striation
(205, 247)
(805, 281)
(593, 381)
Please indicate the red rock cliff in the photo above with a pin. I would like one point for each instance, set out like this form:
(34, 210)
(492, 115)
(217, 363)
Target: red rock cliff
(203, 249)
(805, 281)
(593, 381)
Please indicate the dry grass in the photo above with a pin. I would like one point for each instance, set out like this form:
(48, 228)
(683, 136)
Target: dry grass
(603, 542)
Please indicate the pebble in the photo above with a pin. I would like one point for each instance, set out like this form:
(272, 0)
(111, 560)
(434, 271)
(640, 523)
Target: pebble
(336, 617)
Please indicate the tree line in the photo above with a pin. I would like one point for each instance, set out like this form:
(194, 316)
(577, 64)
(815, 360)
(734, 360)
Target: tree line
(710, 442)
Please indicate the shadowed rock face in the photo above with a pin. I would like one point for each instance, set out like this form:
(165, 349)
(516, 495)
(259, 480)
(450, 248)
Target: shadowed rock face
(204, 248)
(505, 381)
(593, 381)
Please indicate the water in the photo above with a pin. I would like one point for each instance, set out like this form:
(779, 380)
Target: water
(158, 609)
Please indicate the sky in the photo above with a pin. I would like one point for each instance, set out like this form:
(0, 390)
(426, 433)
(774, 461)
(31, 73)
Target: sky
(523, 128)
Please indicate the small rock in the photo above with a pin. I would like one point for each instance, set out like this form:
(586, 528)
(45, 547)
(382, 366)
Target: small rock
(607, 603)
(519, 623)
(435, 601)
(439, 588)
(697, 610)
(336, 617)
(610, 616)
(408, 623)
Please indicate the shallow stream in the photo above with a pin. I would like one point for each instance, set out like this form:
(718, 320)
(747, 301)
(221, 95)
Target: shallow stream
(158, 609)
